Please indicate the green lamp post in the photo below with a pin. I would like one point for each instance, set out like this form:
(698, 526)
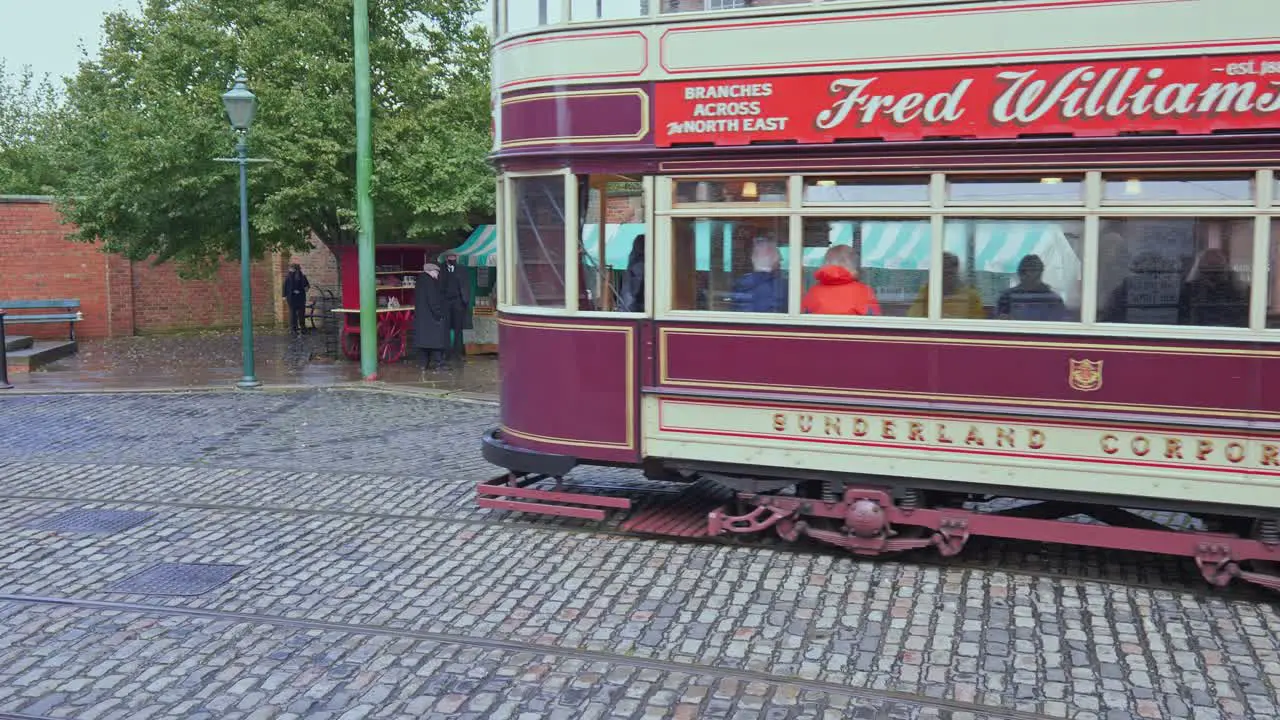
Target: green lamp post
(241, 105)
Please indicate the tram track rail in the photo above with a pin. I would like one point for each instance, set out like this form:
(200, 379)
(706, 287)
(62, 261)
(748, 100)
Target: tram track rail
(1194, 586)
(518, 646)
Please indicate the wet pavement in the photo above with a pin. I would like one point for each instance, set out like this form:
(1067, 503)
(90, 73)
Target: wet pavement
(212, 360)
(318, 554)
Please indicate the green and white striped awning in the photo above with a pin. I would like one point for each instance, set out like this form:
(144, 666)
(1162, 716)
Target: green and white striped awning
(618, 238)
(481, 249)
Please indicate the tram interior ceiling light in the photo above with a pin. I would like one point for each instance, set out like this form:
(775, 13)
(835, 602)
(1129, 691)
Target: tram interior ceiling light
(1133, 186)
(1051, 181)
(826, 183)
(749, 190)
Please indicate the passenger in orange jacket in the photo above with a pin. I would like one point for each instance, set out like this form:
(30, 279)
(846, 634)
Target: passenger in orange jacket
(838, 291)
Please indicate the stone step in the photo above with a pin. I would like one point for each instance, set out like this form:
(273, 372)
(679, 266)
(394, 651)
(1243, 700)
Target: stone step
(41, 352)
(17, 342)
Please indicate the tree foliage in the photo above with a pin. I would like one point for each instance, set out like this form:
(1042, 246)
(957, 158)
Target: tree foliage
(29, 112)
(146, 122)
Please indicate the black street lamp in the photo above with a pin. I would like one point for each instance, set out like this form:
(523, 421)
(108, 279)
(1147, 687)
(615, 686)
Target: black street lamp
(241, 105)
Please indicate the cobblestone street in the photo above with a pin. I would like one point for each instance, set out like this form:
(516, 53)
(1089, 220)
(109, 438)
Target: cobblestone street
(318, 554)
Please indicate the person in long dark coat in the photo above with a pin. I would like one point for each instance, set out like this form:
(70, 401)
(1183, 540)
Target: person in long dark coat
(457, 301)
(295, 294)
(430, 321)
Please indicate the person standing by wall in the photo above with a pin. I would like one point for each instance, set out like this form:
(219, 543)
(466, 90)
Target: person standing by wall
(430, 317)
(457, 300)
(295, 294)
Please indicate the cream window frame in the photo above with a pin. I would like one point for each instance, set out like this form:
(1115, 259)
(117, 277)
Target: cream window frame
(570, 238)
(1264, 209)
(647, 184)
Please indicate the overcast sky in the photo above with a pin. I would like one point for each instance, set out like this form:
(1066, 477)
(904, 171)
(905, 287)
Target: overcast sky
(47, 34)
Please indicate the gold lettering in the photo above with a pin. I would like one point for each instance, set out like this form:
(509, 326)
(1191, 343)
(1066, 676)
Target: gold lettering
(1172, 448)
(1140, 445)
(1203, 448)
(974, 437)
(832, 425)
(806, 423)
(1235, 452)
(917, 432)
(1109, 444)
(1035, 439)
(1270, 455)
(860, 427)
(779, 422)
(1004, 435)
(886, 431)
(942, 434)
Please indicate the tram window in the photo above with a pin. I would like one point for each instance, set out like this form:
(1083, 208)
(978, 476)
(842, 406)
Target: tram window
(612, 239)
(679, 6)
(1273, 280)
(868, 190)
(746, 190)
(529, 14)
(1016, 190)
(538, 205)
(1175, 271)
(1027, 269)
(729, 264)
(585, 10)
(1152, 189)
(890, 258)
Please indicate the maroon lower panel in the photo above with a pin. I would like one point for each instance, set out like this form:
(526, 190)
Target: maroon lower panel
(569, 386)
(1043, 374)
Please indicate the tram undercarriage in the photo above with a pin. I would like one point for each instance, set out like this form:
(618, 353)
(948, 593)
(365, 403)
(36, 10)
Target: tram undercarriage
(875, 516)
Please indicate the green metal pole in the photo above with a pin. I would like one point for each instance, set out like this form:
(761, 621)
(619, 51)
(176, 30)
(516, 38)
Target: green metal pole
(364, 197)
(246, 299)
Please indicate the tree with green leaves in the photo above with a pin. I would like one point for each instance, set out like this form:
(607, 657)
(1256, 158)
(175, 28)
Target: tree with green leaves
(29, 112)
(145, 122)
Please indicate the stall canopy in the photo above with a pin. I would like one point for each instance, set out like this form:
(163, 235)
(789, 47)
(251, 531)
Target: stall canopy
(481, 249)
(618, 238)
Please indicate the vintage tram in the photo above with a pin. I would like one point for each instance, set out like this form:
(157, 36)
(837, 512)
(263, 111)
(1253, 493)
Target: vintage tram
(1058, 227)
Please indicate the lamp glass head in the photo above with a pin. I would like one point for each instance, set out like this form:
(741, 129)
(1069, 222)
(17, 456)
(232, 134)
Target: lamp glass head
(240, 104)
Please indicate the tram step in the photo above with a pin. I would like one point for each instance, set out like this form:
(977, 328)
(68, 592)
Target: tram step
(495, 494)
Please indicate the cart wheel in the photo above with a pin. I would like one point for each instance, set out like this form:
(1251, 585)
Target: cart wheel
(392, 348)
(349, 342)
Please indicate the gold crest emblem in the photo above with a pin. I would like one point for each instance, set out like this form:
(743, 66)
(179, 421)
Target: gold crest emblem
(1085, 375)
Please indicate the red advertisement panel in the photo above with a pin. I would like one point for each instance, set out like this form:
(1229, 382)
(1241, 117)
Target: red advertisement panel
(1191, 95)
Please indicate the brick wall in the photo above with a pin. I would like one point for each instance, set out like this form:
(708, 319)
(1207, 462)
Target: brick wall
(119, 297)
(38, 262)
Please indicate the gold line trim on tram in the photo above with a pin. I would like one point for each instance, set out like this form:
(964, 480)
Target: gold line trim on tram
(665, 379)
(636, 136)
(628, 332)
(860, 163)
(629, 445)
(970, 340)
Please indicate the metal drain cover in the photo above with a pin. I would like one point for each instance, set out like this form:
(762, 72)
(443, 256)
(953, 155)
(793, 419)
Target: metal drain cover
(177, 579)
(93, 521)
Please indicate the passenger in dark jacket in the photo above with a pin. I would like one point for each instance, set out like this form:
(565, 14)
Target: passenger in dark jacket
(1031, 298)
(632, 296)
(430, 317)
(295, 294)
(764, 289)
(1213, 296)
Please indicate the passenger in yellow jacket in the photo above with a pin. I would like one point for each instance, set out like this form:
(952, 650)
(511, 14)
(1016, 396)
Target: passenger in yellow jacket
(958, 300)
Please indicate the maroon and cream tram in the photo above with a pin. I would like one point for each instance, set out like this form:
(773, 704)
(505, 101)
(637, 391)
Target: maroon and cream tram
(1059, 217)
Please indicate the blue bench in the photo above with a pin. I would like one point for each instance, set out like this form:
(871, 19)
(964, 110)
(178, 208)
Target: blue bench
(48, 311)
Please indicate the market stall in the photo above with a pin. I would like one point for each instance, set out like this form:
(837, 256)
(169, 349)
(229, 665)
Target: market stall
(396, 268)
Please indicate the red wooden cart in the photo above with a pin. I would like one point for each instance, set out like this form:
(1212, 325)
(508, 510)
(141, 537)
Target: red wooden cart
(396, 266)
